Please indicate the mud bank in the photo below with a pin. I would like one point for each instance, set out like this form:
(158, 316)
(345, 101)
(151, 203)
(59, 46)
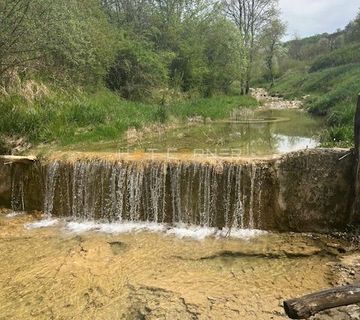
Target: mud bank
(307, 191)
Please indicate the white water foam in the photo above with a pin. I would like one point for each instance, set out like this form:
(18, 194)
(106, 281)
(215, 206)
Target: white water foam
(244, 234)
(191, 232)
(181, 231)
(46, 223)
(15, 214)
(114, 228)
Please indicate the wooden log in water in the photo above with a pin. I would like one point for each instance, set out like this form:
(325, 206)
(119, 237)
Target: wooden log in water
(18, 159)
(310, 305)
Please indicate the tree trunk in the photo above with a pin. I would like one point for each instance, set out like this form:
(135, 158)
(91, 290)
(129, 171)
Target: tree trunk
(312, 304)
(355, 215)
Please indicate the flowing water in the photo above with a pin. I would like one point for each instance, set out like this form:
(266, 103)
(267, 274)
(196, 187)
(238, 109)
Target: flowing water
(68, 272)
(221, 194)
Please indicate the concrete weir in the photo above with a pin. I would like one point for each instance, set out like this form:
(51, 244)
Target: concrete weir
(306, 191)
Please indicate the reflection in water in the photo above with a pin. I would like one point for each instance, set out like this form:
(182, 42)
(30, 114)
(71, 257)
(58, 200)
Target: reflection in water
(50, 273)
(264, 133)
(289, 144)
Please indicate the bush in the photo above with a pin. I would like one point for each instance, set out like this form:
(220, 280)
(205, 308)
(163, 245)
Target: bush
(342, 136)
(137, 71)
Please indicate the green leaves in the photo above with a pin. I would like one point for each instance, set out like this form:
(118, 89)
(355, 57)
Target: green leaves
(66, 39)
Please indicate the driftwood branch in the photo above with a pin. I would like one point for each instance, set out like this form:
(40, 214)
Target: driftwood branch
(305, 307)
(18, 159)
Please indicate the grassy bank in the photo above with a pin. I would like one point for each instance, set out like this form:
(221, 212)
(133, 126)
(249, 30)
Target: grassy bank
(331, 86)
(66, 118)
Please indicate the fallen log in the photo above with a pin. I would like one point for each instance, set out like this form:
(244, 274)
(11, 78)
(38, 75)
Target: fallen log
(307, 306)
(18, 159)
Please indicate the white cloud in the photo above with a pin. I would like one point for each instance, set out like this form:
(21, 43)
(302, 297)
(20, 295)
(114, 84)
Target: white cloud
(308, 17)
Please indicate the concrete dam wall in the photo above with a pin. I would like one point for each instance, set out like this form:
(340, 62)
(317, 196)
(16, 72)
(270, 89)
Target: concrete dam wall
(304, 191)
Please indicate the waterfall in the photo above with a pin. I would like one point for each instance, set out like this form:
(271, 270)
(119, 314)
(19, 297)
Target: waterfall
(226, 195)
(17, 189)
(50, 184)
(252, 190)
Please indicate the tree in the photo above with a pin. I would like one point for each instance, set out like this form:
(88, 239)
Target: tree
(250, 16)
(81, 44)
(271, 42)
(20, 35)
(223, 59)
(72, 39)
(137, 70)
(129, 14)
(295, 47)
(352, 30)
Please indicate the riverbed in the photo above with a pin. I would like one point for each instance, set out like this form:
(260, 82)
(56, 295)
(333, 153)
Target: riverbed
(57, 272)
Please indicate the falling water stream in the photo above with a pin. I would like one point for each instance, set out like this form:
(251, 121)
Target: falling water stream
(198, 194)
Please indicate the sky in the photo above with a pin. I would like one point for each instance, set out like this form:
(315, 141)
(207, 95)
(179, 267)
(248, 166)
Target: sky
(309, 17)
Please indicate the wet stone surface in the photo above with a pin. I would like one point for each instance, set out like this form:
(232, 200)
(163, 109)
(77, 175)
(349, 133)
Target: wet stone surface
(51, 273)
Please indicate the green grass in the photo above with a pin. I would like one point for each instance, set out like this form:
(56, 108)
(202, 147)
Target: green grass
(215, 108)
(347, 55)
(66, 119)
(332, 93)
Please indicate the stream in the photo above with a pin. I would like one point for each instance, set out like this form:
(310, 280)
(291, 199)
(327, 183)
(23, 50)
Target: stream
(62, 272)
(139, 238)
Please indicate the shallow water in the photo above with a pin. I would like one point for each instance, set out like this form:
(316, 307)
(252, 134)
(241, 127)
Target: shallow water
(259, 134)
(63, 273)
(268, 132)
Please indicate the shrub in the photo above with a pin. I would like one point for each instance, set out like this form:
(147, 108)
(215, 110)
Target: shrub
(343, 56)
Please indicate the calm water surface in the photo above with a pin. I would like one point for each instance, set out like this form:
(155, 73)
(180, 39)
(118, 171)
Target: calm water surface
(260, 134)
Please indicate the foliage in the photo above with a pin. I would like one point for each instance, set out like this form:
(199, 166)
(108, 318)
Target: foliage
(333, 93)
(63, 40)
(168, 59)
(136, 71)
(326, 69)
(343, 56)
(250, 17)
(82, 117)
(352, 30)
(84, 44)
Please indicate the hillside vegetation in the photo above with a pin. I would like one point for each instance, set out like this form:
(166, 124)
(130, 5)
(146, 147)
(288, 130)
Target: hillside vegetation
(326, 71)
(88, 70)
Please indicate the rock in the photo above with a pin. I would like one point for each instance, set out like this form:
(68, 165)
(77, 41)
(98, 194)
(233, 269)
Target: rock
(274, 103)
